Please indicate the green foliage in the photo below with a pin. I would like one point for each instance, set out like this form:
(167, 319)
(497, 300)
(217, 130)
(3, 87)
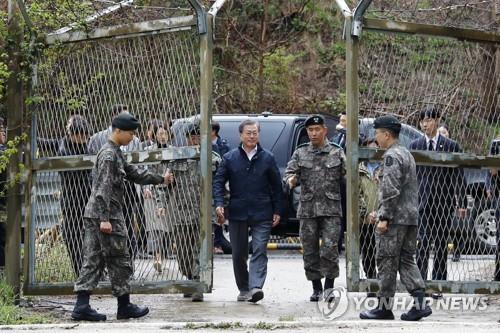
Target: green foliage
(10, 314)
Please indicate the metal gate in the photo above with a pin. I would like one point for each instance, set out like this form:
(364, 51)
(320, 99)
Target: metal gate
(400, 62)
(161, 72)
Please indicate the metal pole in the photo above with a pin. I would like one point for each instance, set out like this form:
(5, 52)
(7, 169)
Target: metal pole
(14, 104)
(352, 91)
(206, 77)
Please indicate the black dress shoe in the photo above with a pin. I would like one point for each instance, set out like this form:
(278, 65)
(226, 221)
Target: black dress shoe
(380, 314)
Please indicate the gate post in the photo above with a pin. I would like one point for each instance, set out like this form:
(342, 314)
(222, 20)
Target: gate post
(352, 177)
(14, 103)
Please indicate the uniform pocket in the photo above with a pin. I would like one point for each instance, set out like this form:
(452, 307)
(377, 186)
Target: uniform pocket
(115, 245)
(306, 196)
(306, 164)
(332, 196)
(387, 243)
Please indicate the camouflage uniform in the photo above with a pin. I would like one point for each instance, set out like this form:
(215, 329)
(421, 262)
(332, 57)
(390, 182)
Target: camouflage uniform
(319, 172)
(182, 201)
(368, 202)
(398, 200)
(105, 204)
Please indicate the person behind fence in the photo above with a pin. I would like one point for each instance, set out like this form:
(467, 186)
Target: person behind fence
(493, 194)
(318, 167)
(396, 230)
(159, 222)
(184, 198)
(105, 229)
(440, 191)
(133, 209)
(219, 145)
(255, 203)
(368, 202)
(75, 189)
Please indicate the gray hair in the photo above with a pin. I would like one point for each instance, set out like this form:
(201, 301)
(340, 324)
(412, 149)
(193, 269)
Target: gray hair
(248, 122)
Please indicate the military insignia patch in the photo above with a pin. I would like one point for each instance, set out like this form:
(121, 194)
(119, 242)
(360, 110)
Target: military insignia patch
(389, 161)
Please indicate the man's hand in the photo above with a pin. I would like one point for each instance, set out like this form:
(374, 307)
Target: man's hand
(219, 211)
(106, 227)
(292, 181)
(147, 194)
(462, 212)
(161, 212)
(382, 227)
(276, 220)
(168, 177)
(372, 217)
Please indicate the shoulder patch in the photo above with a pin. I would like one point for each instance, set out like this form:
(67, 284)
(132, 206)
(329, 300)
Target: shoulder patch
(389, 160)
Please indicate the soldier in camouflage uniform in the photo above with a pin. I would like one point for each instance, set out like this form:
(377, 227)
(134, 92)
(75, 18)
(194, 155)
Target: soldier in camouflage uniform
(183, 198)
(105, 241)
(396, 231)
(319, 167)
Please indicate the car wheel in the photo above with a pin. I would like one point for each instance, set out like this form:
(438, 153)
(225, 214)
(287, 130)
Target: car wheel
(485, 229)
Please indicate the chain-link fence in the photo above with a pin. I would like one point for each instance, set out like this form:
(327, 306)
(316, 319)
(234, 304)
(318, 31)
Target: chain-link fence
(152, 70)
(443, 84)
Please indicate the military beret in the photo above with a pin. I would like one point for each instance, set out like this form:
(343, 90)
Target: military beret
(316, 119)
(192, 129)
(388, 122)
(125, 121)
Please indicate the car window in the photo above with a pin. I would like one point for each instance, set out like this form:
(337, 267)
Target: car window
(269, 132)
(406, 136)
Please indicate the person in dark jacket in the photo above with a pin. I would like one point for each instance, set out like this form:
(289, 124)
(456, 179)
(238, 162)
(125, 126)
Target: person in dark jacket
(441, 190)
(220, 146)
(255, 203)
(75, 189)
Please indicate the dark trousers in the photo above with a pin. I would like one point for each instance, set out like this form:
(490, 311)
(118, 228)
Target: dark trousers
(187, 244)
(497, 256)
(367, 249)
(247, 279)
(73, 233)
(434, 228)
(218, 237)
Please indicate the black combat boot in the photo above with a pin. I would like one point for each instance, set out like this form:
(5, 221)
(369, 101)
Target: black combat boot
(382, 311)
(128, 310)
(419, 310)
(82, 309)
(317, 291)
(329, 297)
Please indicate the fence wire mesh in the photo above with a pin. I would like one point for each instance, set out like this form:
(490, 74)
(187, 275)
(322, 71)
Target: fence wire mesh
(470, 14)
(404, 75)
(157, 78)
